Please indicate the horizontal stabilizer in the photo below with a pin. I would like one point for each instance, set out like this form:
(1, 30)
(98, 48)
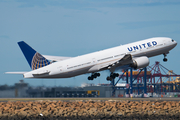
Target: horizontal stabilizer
(15, 72)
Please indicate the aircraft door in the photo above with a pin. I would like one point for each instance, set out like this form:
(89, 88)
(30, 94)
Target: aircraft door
(94, 60)
(60, 68)
(164, 42)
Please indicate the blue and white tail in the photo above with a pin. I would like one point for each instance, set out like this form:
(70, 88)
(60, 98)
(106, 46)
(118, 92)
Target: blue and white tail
(34, 59)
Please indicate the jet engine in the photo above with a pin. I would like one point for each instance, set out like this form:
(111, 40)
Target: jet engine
(140, 62)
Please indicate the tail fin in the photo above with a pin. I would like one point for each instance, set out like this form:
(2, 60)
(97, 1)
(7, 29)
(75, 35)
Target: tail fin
(34, 59)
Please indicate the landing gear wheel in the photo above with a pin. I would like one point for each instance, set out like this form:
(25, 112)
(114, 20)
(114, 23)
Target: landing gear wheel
(109, 78)
(90, 78)
(97, 74)
(112, 76)
(94, 75)
(165, 59)
(116, 74)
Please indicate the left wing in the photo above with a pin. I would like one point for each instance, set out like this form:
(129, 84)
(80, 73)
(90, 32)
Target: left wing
(55, 58)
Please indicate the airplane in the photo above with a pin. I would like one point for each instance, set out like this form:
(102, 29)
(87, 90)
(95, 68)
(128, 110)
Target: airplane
(133, 55)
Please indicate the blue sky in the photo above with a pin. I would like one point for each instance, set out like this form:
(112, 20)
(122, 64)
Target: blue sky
(76, 27)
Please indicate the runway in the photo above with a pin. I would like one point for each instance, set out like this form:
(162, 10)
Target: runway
(90, 99)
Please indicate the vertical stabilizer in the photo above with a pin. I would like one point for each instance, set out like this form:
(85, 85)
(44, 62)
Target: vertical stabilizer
(34, 59)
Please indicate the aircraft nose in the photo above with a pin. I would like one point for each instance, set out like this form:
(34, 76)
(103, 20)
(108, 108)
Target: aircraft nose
(174, 42)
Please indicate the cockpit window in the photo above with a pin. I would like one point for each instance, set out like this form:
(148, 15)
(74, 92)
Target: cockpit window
(172, 40)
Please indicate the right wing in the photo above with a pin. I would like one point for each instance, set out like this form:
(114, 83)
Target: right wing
(126, 60)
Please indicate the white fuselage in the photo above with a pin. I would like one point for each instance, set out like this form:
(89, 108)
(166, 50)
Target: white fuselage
(93, 62)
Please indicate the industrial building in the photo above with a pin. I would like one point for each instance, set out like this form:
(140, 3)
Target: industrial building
(86, 91)
(21, 89)
(152, 81)
(18, 90)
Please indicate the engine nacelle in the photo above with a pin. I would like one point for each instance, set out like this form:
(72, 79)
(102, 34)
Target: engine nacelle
(140, 62)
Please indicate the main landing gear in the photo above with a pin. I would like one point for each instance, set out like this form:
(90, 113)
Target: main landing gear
(165, 59)
(112, 76)
(94, 75)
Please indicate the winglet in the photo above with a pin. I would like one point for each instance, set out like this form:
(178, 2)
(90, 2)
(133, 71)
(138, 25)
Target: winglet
(34, 59)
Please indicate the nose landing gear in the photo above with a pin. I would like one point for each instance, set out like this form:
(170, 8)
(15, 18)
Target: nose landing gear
(165, 59)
